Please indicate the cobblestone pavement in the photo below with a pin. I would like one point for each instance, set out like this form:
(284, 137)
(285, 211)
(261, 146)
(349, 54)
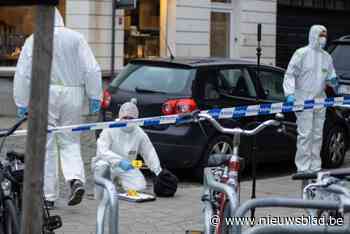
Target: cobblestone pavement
(165, 215)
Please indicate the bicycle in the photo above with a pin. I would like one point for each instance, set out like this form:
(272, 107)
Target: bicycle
(11, 177)
(301, 228)
(331, 185)
(221, 195)
(328, 182)
(10, 213)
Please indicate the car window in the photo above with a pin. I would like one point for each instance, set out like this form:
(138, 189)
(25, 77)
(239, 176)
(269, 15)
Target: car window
(341, 57)
(272, 84)
(236, 82)
(153, 79)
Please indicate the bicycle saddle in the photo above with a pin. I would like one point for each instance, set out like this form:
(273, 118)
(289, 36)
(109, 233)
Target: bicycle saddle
(12, 155)
(338, 173)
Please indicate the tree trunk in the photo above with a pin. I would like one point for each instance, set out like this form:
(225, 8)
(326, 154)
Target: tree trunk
(37, 124)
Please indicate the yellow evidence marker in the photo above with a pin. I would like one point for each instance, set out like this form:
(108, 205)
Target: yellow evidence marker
(132, 193)
(137, 164)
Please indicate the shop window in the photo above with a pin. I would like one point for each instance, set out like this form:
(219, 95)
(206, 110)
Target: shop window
(224, 1)
(220, 34)
(16, 24)
(318, 4)
(142, 27)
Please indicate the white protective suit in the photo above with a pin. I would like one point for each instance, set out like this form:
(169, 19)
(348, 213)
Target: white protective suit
(74, 72)
(115, 145)
(305, 78)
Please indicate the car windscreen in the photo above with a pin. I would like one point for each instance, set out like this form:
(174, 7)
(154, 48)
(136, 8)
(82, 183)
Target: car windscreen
(341, 57)
(153, 79)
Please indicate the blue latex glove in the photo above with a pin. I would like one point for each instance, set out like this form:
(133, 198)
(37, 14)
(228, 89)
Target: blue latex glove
(333, 82)
(21, 111)
(125, 165)
(95, 106)
(290, 98)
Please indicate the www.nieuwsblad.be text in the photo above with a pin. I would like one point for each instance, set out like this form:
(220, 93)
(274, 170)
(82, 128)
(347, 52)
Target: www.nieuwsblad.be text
(273, 220)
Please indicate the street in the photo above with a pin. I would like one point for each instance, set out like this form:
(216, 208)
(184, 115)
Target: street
(165, 215)
(237, 61)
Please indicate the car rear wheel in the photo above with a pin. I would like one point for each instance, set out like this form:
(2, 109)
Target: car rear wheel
(221, 146)
(334, 148)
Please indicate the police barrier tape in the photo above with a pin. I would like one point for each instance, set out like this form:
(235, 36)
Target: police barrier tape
(225, 113)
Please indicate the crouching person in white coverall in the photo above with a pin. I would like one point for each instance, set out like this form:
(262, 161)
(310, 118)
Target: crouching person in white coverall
(117, 147)
(309, 70)
(74, 73)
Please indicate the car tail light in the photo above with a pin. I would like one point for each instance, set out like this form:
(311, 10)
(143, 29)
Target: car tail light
(179, 106)
(106, 101)
(169, 107)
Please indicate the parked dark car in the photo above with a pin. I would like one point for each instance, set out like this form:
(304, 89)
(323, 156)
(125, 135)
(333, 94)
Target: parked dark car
(340, 51)
(165, 86)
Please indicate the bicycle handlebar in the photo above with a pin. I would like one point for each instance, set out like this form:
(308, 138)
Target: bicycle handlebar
(337, 173)
(337, 189)
(239, 131)
(11, 130)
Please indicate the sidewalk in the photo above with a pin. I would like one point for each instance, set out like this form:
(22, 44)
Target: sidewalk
(165, 215)
(171, 215)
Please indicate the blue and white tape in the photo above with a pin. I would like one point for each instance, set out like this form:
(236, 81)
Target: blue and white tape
(225, 113)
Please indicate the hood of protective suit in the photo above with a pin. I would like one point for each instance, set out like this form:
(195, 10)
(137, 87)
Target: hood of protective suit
(58, 19)
(128, 109)
(314, 36)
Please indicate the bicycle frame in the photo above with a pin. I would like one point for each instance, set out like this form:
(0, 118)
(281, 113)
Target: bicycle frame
(231, 179)
(229, 185)
(211, 183)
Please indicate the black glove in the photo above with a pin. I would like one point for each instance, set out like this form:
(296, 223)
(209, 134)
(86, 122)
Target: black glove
(165, 184)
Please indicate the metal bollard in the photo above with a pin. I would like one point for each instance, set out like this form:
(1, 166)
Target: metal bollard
(109, 202)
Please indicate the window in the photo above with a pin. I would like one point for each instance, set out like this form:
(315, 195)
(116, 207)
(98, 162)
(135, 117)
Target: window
(152, 79)
(318, 4)
(236, 82)
(142, 28)
(16, 24)
(220, 34)
(272, 84)
(214, 83)
(341, 57)
(224, 1)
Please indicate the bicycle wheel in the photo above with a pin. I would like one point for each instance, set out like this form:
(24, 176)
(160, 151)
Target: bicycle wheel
(11, 219)
(46, 214)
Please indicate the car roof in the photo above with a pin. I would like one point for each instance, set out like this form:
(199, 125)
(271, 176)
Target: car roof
(192, 62)
(343, 40)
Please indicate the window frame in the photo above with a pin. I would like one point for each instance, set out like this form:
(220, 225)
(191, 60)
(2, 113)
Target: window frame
(262, 94)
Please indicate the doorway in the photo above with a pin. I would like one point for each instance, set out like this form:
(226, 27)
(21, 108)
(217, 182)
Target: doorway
(220, 23)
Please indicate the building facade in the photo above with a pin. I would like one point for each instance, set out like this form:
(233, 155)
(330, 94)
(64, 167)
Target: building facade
(187, 28)
(196, 28)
